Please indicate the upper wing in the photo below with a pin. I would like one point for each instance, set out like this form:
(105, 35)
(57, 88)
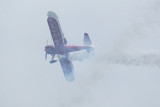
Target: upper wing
(67, 67)
(55, 30)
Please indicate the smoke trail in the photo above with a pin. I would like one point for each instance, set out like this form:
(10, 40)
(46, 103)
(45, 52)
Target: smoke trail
(148, 59)
(81, 55)
(142, 60)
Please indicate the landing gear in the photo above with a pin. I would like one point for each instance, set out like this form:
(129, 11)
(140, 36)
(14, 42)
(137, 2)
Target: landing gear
(52, 60)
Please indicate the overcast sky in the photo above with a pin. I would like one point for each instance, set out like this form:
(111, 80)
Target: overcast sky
(124, 72)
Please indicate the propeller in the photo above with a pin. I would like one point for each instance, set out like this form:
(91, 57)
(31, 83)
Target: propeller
(46, 52)
(46, 56)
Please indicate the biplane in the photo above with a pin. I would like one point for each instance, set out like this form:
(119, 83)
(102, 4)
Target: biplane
(60, 47)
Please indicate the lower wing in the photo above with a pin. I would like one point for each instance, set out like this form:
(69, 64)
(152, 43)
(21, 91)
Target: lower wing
(67, 67)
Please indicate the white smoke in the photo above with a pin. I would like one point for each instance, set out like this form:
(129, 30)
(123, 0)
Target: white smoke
(81, 55)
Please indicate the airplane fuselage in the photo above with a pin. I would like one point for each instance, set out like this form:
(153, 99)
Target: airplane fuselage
(50, 49)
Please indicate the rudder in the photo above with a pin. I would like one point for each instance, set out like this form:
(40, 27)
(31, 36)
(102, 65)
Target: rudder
(87, 41)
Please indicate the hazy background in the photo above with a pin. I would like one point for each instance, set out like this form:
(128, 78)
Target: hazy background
(125, 71)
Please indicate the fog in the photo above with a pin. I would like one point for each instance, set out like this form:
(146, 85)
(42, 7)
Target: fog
(124, 71)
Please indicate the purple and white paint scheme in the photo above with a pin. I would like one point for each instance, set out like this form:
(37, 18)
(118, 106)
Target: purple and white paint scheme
(61, 48)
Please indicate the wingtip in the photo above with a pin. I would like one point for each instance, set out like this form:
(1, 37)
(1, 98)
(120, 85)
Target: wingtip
(85, 33)
(51, 14)
(69, 76)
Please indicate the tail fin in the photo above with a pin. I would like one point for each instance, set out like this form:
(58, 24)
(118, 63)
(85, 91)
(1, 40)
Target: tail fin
(87, 40)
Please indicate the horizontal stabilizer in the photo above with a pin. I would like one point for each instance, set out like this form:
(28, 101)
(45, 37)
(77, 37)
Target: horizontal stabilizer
(87, 41)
